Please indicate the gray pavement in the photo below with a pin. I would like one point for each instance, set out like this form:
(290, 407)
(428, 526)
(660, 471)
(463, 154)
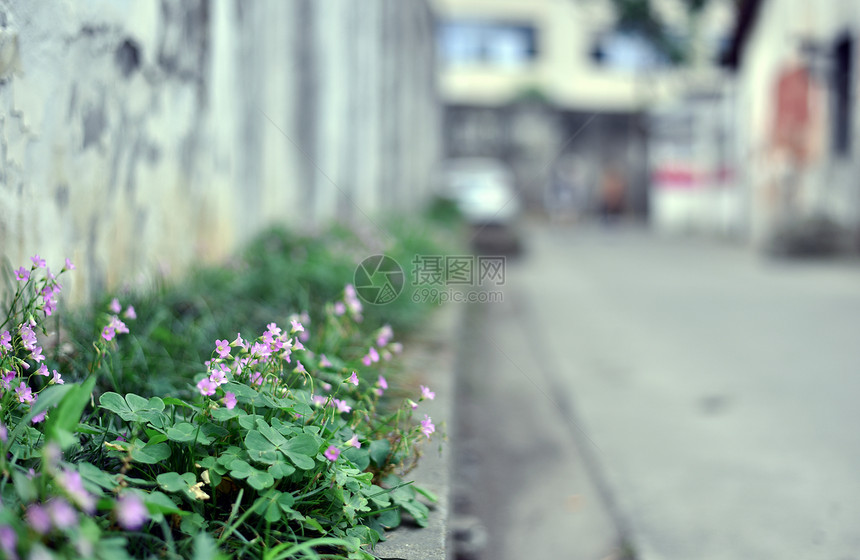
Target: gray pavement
(687, 396)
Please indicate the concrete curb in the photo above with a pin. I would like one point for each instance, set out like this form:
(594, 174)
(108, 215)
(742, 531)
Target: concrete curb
(431, 357)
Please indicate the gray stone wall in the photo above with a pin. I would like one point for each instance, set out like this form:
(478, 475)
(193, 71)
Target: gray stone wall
(137, 136)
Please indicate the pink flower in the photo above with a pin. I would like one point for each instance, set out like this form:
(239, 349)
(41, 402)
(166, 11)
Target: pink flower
(341, 405)
(239, 341)
(300, 368)
(427, 393)
(412, 404)
(382, 382)
(206, 387)
(118, 326)
(325, 386)
(38, 262)
(296, 326)
(24, 393)
(366, 360)
(69, 265)
(43, 370)
(318, 400)
(131, 513)
(73, 484)
(22, 274)
(218, 377)
(4, 433)
(396, 347)
(6, 340)
(108, 333)
(353, 441)
(36, 354)
(374, 355)
(332, 453)
(297, 345)
(229, 400)
(9, 541)
(57, 378)
(62, 514)
(223, 348)
(28, 337)
(38, 519)
(6, 380)
(353, 379)
(114, 306)
(256, 378)
(39, 417)
(339, 308)
(324, 362)
(130, 313)
(427, 426)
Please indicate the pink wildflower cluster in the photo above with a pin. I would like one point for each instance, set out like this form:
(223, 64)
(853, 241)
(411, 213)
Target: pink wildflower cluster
(386, 347)
(19, 346)
(350, 303)
(251, 361)
(115, 325)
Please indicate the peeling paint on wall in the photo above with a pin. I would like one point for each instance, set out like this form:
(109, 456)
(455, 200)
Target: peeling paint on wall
(138, 136)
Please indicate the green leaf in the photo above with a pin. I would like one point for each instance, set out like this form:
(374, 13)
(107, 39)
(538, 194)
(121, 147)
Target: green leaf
(95, 475)
(359, 457)
(186, 432)
(255, 441)
(24, 486)
(49, 397)
(116, 404)
(281, 469)
(241, 469)
(63, 420)
(224, 414)
(205, 547)
(305, 444)
(159, 504)
(260, 480)
(270, 433)
(426, 493)
(134, 408)
(192, 524)
(249, 421)
(303, 462)
(389, 519)
(417, 510)
(182, 432)
(174, 482)
(379, 450)
(243, 392)
(151, 454)
(168, 401)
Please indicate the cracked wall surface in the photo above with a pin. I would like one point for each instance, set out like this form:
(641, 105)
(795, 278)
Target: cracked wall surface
(138, 136)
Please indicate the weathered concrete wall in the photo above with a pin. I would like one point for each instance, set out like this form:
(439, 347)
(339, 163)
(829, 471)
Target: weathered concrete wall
(137, 136)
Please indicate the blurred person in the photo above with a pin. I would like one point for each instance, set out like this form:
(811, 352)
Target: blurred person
(613, 187)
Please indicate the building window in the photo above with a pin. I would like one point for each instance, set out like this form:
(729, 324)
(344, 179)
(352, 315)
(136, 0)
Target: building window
(487, 43)
(842, 77)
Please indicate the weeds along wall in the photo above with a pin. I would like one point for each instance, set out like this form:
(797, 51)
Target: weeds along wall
(138, 136)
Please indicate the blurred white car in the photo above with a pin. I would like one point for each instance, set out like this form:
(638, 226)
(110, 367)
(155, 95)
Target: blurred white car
(483, 190)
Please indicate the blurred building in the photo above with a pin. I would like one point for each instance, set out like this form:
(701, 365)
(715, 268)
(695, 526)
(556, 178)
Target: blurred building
(139, 135)
(796, 114)
(548, 87)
